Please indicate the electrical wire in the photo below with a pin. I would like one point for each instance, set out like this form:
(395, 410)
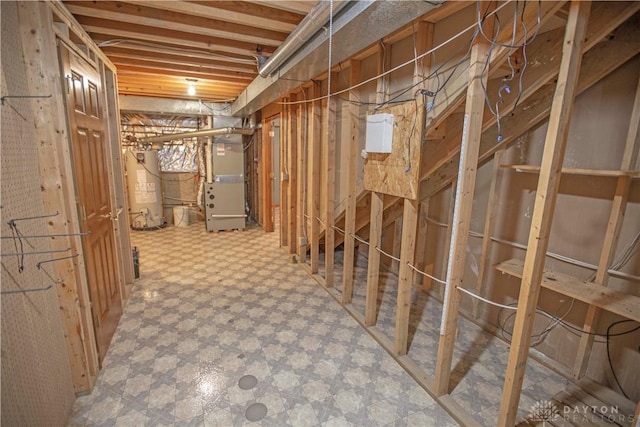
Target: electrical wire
(404, 64)
(615, 377)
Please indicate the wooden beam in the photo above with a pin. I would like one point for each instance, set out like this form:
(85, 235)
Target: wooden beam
(352, 177)
(489, 225)
(42, 75)
(233, 11)
(208, 72)
(373, 268)
(421, 240)
(546, 194)
(165, 35)
(329, 152)
(128, 52)
(232, 77)
(315, 139)
(424, 42)
(301, 149)
(292, 178)
(405, 278)
(261, 9)
(144, 15)
(607, 253)
(283, 211)
(472, 131)
(535, 102)
(265, 172)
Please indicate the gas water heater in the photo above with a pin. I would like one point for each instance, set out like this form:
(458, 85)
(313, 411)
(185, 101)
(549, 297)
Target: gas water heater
(145, 190)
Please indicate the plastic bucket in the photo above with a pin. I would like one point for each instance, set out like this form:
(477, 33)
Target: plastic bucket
(181, 216)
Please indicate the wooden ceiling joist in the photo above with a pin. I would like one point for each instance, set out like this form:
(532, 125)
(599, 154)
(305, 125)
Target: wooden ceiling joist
(143, 15)
(233, 12)
(169, 58)
(156, 34)
(214, 73)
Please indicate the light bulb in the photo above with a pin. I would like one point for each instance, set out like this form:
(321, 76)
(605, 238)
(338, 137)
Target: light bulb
(191, 90)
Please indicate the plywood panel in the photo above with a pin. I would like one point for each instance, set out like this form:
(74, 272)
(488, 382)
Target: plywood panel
(398, 173)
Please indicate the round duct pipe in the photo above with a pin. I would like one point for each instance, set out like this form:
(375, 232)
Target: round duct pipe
(315, 19)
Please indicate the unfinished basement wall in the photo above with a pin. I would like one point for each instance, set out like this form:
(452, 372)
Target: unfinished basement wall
(596, 141)
(37, 384)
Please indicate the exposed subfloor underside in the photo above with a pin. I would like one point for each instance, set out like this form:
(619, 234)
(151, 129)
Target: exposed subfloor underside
(212, 308)
(479, 360)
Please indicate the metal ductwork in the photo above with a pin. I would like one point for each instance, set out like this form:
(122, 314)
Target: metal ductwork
(315, 20)
(358, 25)
(197, 134)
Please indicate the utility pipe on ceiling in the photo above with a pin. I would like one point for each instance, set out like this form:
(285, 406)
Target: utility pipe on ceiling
(198, 133)
(315, 20)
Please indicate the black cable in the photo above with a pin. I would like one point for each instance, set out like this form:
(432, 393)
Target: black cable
(615, 377)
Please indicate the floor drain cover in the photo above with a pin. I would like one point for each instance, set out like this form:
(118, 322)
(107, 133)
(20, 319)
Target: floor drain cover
(256, 412)
(247, 382)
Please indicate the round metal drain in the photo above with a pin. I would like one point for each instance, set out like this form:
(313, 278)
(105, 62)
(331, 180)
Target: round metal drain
(247, 382)
(256, 412)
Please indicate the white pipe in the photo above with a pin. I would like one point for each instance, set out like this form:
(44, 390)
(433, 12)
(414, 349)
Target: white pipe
(315, 19)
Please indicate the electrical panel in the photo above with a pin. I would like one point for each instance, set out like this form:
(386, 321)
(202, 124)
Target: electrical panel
(379, 137)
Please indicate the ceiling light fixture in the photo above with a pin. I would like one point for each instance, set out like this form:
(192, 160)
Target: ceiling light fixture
(191, 90)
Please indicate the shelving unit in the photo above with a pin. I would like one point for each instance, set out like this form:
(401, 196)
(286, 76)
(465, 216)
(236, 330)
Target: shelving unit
(577, 171)
(625, 305)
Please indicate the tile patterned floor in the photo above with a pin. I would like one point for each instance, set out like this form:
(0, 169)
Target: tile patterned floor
(479, 361)
(211, 308)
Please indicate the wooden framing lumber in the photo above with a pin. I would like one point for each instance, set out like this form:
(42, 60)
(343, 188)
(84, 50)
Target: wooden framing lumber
(352, 176)
(58, 193)
(329, 154)
(612, 235)
(292, 178)
(373, 268)
(405, 280)
(301, 181)
(546, 194)
(315, 138)
(489, 225)
(594, 294)
(472, 131)
(535, 103)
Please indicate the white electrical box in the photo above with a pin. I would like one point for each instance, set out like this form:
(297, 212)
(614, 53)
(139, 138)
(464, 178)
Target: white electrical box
(379, 133)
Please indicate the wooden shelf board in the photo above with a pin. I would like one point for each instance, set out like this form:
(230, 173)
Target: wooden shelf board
(625, 305)
(576, 171)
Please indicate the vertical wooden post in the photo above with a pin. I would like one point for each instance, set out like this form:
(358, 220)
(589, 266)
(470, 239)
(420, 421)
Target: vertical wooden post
(352, 177)
(266, 174)
(546, 194)
(448, 234)
(492, 209)
(407, 251)
(292, 176)
(315, 138)
(329, 151)
(471, 134)
(283, 145)
(421, 240)
(423, 42)
(373, 270)
(397, 243)
(614, 225)
(301, 149)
